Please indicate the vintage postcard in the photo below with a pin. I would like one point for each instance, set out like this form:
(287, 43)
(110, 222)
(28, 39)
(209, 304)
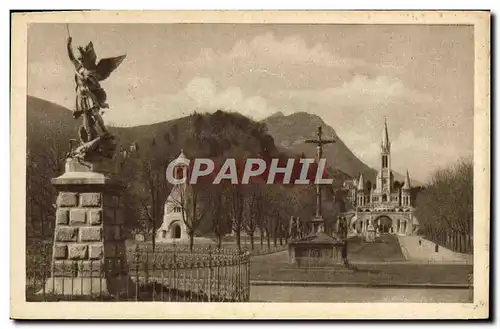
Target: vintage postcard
(267, 164)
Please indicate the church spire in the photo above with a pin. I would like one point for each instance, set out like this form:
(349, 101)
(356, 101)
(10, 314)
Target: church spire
(361, 183)
(386, 143)
(407, 185)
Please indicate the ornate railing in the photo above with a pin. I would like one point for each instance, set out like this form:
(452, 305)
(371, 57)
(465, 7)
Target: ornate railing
(169, 273)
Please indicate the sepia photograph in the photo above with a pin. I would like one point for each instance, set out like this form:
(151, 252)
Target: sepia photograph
(306, 164)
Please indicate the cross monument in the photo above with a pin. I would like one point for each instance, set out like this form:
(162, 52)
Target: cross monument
(319, 141)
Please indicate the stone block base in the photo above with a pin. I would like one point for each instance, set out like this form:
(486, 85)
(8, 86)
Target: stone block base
(370, 236)
(75, 287)
(88, 286)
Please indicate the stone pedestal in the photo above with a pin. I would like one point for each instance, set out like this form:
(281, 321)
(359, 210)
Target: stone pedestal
(370, 233)
(89, 254)
(317, 250)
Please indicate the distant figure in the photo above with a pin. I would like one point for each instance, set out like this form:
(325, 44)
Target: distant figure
(343, 228)
(419, 242)
(294, 230)
(436, 248)
(344, 254)
(300, 228)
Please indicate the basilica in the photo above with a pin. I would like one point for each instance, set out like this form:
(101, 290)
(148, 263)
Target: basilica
(385, 205)
(173, 228)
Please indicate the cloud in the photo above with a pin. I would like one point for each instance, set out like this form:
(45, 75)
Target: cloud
(201, 94)
(363, 90)
(292, 49)
(277, 62)
(205, 94)
(419, 153)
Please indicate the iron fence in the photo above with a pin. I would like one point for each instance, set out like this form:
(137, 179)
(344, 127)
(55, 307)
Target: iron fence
(173, 273)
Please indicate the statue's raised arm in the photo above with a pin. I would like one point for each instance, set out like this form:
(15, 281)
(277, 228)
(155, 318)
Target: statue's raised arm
(71, 55)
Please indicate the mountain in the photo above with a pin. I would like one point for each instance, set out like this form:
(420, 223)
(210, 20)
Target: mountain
(216, 135)
(290, 131)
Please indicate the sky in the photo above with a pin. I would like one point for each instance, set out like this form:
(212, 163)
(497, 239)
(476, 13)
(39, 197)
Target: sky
(419, 77)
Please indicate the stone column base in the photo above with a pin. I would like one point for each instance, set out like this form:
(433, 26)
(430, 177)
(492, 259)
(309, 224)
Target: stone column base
(75, 286)
(88, 287)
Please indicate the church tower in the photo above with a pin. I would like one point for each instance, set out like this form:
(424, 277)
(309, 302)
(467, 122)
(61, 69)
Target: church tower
(405, 191)
(384, 177)
(173, 227)
(361, 191)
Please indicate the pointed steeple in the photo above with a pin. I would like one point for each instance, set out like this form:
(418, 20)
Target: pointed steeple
(386, 143)
(371, 195)
(361, 183)
(407, 185)
(182, 155)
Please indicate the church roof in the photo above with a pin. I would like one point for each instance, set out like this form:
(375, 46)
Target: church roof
(318, 238)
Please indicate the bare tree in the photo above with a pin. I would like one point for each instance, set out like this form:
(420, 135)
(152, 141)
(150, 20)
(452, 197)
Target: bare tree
(445, 208)
(43, 165)
(221, 220)
(253, 212)
(151, 189)
(237, 205)
(194, 206)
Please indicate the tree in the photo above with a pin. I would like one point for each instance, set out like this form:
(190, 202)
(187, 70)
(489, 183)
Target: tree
(237, 203)
(150, 188)
(194, 209)
(220, 220)
(46, 160)
(445, 207)
(253, 212)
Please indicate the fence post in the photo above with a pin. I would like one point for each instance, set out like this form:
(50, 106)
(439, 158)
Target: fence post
(217, 268)
(209, 273)
(248, 277)
(137, 264)
(239, 274)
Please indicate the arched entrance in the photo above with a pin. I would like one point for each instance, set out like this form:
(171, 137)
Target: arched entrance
(176, 231)
(384, 224)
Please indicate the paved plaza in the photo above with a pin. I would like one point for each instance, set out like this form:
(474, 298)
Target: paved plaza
(288, 294)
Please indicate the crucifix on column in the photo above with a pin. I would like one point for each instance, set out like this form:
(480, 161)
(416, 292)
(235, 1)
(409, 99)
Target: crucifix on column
(319, 141)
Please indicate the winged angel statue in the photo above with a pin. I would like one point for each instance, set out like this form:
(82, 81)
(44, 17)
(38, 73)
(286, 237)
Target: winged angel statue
(91, 100)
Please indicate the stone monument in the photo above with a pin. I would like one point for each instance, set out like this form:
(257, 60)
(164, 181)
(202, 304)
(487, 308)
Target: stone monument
(317, 248)
(89, 254)
(370, 232)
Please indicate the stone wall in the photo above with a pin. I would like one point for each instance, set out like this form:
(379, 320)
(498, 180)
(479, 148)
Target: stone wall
(88, 230)
(89, 254)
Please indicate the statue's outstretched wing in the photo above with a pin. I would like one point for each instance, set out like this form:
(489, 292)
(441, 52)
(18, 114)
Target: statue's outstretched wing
(108, 65)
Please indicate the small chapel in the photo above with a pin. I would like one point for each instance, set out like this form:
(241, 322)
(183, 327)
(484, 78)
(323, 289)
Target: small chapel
(386, 204)
(173, 229)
